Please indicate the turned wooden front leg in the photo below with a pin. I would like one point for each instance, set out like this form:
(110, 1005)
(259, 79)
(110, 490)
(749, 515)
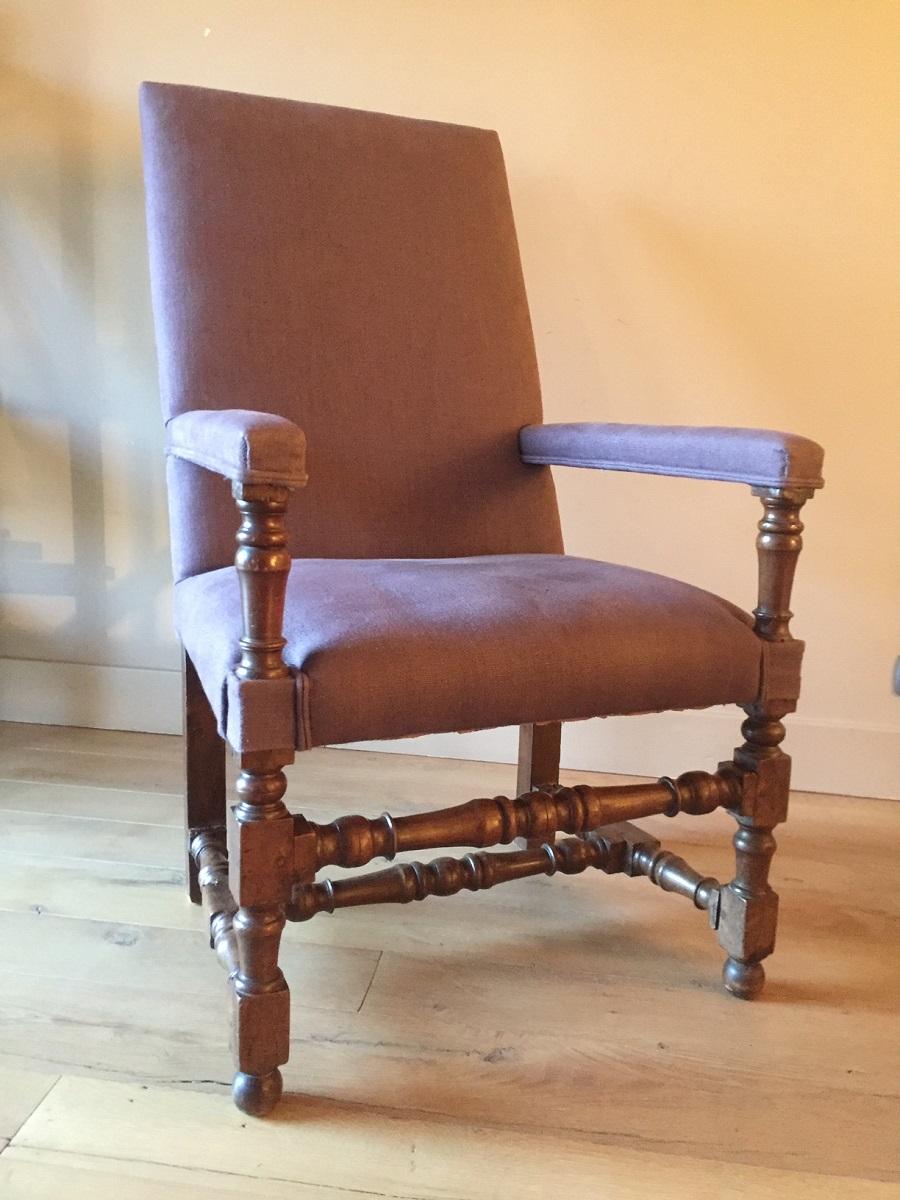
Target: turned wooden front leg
(261, 832)
(748, 914)
(261, 843)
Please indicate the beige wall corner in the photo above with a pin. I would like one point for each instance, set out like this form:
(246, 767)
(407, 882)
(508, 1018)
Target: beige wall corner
(706, 197)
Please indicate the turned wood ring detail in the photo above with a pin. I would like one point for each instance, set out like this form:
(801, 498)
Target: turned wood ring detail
(390, 853)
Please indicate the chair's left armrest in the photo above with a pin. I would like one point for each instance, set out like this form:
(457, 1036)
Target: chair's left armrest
(264, 456)
(758, 457)
(246, 447)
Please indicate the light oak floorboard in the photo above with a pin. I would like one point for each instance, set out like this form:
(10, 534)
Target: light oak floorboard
(104, 804)
(580, 1009)
(27, 1174)
(20, 1094)
(91, 769)
(25, 833)
(320, 1142)
(615, 1074)
(134, 957)
(112, 743)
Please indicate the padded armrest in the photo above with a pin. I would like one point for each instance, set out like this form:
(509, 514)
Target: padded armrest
(759, 457)
(246, 447)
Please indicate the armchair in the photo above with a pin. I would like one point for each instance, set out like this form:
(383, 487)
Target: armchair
(356, 277)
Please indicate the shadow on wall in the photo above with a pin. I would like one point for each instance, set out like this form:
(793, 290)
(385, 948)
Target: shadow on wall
(83, 543)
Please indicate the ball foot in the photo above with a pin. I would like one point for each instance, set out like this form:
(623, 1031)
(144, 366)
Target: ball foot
(257, 1095)
(744, 980)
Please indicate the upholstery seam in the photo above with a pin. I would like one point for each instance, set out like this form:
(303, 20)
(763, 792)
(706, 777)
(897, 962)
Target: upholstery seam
(231, 470)
(681, 472)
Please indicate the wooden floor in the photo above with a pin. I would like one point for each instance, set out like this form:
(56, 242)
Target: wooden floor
(553, 1038)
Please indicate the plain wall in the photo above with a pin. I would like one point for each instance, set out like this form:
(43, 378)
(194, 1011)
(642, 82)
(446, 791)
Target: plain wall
(706, 197)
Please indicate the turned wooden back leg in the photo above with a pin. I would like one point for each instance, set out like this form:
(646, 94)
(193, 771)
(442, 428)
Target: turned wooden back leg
(204, 769)
(538, 762)
(538, 756)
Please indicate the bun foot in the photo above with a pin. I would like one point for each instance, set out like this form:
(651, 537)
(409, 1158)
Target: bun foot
(744, 980)
(257, 1095)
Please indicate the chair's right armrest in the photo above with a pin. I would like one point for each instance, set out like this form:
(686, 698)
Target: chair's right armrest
(758, 457)
(246, 447)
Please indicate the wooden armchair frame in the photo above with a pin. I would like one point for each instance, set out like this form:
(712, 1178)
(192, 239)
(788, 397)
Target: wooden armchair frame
(354, 278)
(263, 870)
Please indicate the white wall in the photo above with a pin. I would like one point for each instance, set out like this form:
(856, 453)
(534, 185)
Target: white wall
(706, 195)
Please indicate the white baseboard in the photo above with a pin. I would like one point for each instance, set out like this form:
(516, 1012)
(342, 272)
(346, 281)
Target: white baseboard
(94, 697)
(828, 756)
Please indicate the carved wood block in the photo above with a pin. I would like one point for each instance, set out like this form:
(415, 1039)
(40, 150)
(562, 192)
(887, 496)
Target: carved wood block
(747, 923)
(305, 850)
(260, 1029)
(765, 787)
(261, 861)
(623, 838)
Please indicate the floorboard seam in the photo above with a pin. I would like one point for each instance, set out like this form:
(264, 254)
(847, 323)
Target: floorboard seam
(37, 812)
(95, 787)
(156, 1162)
(24, 1122)
(372, 979)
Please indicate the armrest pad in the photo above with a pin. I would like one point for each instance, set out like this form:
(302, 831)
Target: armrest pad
(759, 457)
(246, 447)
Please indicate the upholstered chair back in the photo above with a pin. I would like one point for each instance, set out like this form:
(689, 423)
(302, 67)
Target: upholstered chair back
(359, 274)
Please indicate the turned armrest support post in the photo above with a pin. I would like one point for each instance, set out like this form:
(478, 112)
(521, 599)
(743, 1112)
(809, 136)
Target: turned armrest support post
(778, 546)
(263, 563)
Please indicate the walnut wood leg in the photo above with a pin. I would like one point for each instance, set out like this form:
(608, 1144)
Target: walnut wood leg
(748, 913)
(538, 762)
(260, 872)
(204, 769)
(261, 834)
(538, 756)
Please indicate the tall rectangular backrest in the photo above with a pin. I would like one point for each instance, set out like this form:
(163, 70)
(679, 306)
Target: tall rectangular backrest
(359, 274)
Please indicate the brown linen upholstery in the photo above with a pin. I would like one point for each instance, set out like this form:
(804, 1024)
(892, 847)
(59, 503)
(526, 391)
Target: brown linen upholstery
(394, 648)
(358, 274)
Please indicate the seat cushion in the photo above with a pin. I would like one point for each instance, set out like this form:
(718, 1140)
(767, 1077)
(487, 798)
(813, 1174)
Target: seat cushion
(387, 648)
